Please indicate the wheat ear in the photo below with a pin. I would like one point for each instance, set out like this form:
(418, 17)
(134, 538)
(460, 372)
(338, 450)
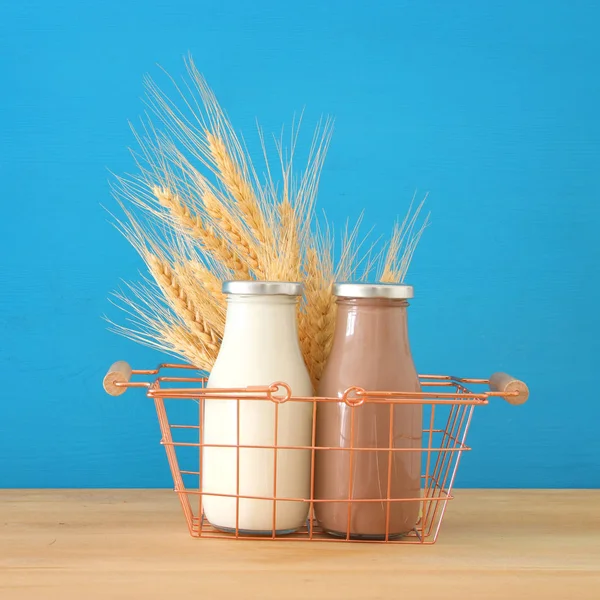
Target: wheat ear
(238, 186)
(182, 304)
(402, 245)
(227, 223)
(202, 232)
(317, 321)
(180, 341)
(211, 283)
(204, 290)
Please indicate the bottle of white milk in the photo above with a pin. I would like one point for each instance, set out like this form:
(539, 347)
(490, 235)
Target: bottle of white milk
(260, 346)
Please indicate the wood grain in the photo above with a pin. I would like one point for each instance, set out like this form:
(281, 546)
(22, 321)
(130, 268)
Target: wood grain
(114, 544)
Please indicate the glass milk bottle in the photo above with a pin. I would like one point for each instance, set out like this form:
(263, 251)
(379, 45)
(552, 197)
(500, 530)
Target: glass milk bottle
(370, 350)
(260, 346)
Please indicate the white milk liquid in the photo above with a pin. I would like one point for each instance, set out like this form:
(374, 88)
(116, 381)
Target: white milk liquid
(260, 346)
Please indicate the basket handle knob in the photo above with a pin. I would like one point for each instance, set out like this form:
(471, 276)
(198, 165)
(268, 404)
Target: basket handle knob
(119, 372)
(503, 383)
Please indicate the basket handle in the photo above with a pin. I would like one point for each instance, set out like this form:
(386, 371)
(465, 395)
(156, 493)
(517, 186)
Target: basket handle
(119, 372)
(503, 383)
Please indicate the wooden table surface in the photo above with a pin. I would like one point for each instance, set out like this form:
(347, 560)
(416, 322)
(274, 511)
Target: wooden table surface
(134, 544)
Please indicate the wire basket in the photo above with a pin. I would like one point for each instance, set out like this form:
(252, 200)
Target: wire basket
(447, 410)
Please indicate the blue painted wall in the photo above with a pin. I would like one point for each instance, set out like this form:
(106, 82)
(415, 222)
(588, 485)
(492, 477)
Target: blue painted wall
(491, 106)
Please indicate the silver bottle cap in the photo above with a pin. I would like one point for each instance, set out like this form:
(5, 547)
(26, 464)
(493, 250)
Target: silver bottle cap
(393, 291)
(263, 288)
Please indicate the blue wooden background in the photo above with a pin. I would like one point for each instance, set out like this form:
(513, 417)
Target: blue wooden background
(490, 106)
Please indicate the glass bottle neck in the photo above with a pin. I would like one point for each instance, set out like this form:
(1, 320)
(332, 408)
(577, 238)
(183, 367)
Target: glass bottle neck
(270, 318)
(364, 319)
(370, 347)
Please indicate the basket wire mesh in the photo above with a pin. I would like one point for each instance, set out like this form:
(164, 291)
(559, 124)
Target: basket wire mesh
(447, 403)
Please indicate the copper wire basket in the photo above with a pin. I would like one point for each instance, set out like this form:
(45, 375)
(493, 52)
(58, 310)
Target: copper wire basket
(448, 404)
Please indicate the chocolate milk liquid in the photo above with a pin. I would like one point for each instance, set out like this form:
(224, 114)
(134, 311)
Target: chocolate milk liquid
(370, 350)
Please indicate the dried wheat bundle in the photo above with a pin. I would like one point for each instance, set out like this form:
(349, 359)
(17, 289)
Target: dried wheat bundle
(198, 214)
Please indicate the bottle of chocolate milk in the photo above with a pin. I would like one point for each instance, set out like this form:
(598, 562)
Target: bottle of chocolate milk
(370, 350)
